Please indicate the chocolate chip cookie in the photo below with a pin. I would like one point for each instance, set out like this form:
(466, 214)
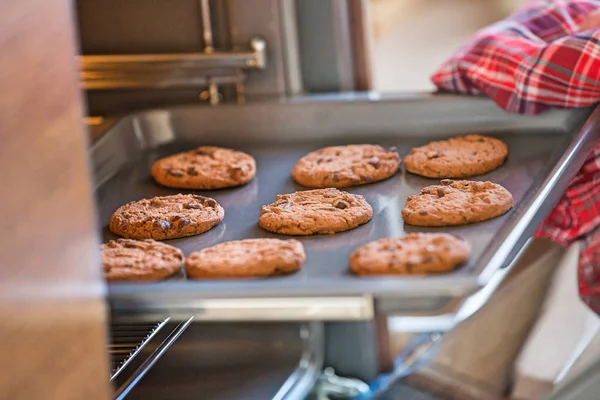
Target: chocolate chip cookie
(458, 157)
(456, 203)
(166, 217)
(344, 166)
(139, 260)
(413, 254)
(248, 258)
(205, 167)
(315, 211)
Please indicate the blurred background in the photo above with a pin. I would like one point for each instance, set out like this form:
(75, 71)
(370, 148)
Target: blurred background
(411, 38)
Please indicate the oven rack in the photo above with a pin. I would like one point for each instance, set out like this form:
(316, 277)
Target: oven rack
(136, 347)
(128, 341)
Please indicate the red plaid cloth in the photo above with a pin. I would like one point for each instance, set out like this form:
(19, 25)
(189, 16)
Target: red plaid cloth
(546, 55)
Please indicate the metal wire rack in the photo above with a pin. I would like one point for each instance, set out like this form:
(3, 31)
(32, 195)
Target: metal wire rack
(127, 341)
(135, 348)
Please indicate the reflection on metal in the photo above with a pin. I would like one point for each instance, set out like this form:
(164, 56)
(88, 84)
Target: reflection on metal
(302, 380)
(207, 32)
(148, 363)
(320, 293)
(330, 384)
(161, 71)
(128, 341)
(359, 308)
(207, 36)
(415, 355)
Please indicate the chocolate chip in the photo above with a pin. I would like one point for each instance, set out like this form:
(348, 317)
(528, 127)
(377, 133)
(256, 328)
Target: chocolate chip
(474, 153)
(205, 152)
(181, 221)
(341, 204)
(440, 192)
(366, 178)
(200, 197)
(210, 203)
(336, 177)
(330, 159)
(189, 206)
(422, 212)
(164, 224)
(374, 162)
(174, 172)
(427, 260)
(433, 154)
(446, 182)
(320, 160)
(236, 172)
(481, 140)
(192, 171)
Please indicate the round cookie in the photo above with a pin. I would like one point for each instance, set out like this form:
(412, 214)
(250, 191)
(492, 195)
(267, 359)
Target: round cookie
(458, 157)
(248, 258)
(139, 260)
(344, 166)
(166, 217)
(456, 203)
(415, 253)
(205, 167)
(315, 211)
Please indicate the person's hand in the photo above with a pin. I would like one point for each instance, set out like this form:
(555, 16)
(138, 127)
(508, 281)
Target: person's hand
(544, 56)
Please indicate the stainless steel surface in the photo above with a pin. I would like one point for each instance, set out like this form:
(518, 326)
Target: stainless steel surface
(330, 384)
(209, 46)
(303, 379)
(152, 359)
(237, 361)
(544, 153)
(262, 18)
(127, 341)
(329, 308)
(207, 30)
(365, 361)
(325, 44)
(585, 386)
(290, 48)
(159, 71)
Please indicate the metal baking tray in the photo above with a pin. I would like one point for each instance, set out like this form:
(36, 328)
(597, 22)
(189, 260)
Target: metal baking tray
(544, 153)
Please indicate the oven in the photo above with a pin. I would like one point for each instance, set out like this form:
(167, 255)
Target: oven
(279, 78)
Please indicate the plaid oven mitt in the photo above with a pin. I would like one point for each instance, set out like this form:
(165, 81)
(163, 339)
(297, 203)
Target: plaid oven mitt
(546, 55)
